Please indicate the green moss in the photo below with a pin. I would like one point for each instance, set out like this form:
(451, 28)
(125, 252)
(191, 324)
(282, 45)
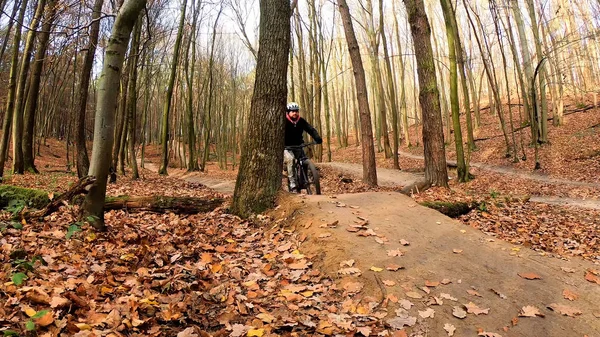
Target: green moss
(33, 198)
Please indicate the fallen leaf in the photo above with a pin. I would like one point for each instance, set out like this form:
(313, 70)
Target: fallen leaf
(404, 242)
(406, 304)
(46, 319)
(349, 271)
(530, 276)
(353, 287)
(400, 322)
(395, 252)
(472, 308)
(432, 283)
(567, 269)
(414, 295)
(530, 311)
(400, 333)
(324, 235)
(450, 329)
(448, 297)
(364, 330)
(285, 247)
(347, 263)
(565, 310)
(429, 313)
(389, 283)
(266, 317)
(569, 295)
(255, 332)
(592, 278)
(457, 251)
(459, 312)
(189, 332)
(239, 330)
(394, 267)
(446, 281)
(426, 290)
(376, 269)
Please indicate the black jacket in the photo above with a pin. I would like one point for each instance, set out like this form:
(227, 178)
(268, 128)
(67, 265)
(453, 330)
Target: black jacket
(293, 132)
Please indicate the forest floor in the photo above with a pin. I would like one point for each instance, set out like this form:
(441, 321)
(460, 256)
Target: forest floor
(510, 267)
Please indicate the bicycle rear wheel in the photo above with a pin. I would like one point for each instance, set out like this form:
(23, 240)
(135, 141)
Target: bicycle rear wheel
(312, 175)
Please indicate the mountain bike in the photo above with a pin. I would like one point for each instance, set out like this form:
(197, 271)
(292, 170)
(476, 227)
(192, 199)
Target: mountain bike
(306, 173)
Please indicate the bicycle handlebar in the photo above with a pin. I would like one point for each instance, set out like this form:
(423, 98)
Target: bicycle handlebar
(292, 147)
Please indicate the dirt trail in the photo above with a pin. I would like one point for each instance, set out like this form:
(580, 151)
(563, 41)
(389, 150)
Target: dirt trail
(385, 177)
(390, 178)
(514, 172)
(480, 263)
(219, 185)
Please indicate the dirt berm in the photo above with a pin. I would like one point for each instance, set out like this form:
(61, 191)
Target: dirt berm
(453, 259)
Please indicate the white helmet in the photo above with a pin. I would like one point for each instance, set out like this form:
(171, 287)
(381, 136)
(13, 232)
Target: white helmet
(293, 106)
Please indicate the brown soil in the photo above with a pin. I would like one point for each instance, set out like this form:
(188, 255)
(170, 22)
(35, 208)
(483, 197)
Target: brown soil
(483, 263)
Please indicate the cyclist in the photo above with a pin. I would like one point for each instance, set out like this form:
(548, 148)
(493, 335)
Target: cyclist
(294, 128)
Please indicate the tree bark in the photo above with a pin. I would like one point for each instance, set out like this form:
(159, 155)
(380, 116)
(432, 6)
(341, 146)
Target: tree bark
(17, 136)
(391, 88)
(83, 161)
(108, 88)
(368, 149)
(162, 204)
(10, 96)
(34, 87)
(169, 95)
(259, 176)
(436, 172)
(132, 99)
(462, 171)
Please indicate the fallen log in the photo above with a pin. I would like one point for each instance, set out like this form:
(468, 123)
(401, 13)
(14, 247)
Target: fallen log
(451, 209)
(162, 204)
(416, 187)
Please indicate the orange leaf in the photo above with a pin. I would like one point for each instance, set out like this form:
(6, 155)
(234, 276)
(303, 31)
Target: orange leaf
(530, 276)
(592, 278)
(571, 296)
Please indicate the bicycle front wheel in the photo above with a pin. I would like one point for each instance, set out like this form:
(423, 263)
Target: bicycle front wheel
(312, 175)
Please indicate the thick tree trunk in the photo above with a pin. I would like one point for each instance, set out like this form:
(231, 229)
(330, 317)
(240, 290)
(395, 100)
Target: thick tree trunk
(167, 105)
(368, 150)
(12, 85)
(436, 172)
(17, 135)
(108, 88)
(259, 176)
(34, 87)
(83, 161)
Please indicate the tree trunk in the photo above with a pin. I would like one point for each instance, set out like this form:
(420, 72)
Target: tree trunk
(193, 159)
(526, 55)
(34, 87)
(10, 96)
(436, 171)
(405, 127)
(83, 161)
(391, 88)
(167, 105)
(17, 136)
(132, 99)
(108, 88)
(259, 176)
(368, 150)
(542, 105)
(462, 172)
